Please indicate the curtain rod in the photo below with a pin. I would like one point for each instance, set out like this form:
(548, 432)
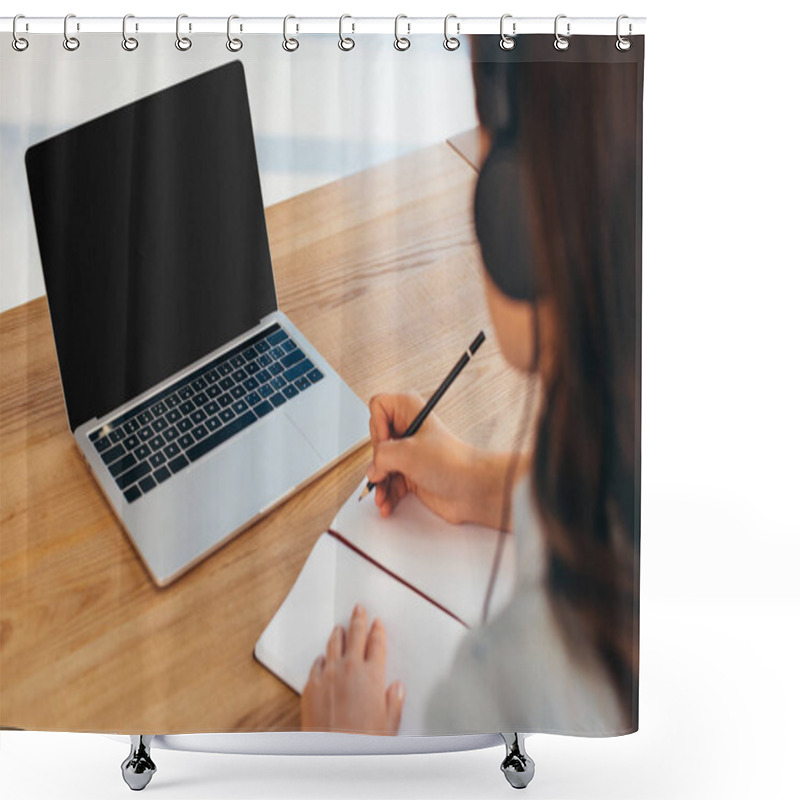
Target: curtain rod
(630, 26)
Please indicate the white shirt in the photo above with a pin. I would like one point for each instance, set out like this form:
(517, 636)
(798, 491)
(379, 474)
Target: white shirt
(516, 674)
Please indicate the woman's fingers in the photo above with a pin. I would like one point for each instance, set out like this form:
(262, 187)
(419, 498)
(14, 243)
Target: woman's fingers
(357, 634)
(335, 647)
(395, 695)
(376, 645)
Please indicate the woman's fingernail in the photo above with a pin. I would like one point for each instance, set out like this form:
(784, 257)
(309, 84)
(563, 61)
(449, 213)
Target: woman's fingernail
(359, 610)
(400, 691)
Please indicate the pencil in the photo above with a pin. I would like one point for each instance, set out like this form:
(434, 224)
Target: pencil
(435, 397)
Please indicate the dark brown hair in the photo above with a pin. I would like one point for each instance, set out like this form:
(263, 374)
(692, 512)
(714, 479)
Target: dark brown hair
(580, 131)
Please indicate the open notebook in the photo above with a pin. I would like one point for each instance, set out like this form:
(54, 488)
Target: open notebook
(425, 578)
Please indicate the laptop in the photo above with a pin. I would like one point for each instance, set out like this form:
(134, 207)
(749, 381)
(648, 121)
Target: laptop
(196, 402)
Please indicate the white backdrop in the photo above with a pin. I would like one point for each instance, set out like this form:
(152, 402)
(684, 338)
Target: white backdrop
(720, 601)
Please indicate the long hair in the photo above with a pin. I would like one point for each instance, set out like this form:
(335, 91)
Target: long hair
(580, 139)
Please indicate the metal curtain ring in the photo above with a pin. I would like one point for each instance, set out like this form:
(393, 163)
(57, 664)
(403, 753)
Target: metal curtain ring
(507, 42)
(233, 44)
(561, 43)
(289, 44)
(70, 42)
(451, 42)
(183, 43)
(17, 42)
(346, 43)
(623, 44)
(401, 42)
(129, 43)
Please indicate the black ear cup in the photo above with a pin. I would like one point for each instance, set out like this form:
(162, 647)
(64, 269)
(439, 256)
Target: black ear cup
(501, 222)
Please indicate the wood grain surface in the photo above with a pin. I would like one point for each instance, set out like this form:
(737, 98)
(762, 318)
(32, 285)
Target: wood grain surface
(381, 271)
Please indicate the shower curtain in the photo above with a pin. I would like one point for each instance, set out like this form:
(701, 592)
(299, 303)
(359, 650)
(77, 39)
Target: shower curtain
(226, 504)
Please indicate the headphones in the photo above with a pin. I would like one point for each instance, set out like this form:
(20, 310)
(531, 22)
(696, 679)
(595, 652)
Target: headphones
(501, 218)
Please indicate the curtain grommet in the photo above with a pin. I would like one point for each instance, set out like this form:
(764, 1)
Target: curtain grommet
(183, 43)
(289, 44)
(451, 43)
(623, 44)
(233, 44)
(401, 43)
(507, 42)
(561, 43)
(71, 43)
(19, 43)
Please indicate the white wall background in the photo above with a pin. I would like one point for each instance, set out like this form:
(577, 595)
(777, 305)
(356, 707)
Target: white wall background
(720, 442)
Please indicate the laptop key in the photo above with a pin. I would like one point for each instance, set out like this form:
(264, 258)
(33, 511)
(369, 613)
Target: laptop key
(315, 375)
(185, 392)
(250, 384)
(145, 433)
(288, 346)
(199, 432)
(278, 383)
(102, 444)
(116, 435)
(178, 463)
(237, 360)
(198, 384)
(157, 442)
(264, 360)
(213, 390)
(292, 357)
(277, 337)
(212, 423)
(239, 375)
(239, 406)
(226, 415)
(262, 346)
(187, 407)
(298, 369)
(249, 353)
(160, 424)
(184, 425)
(302, 383)
(263, 376)
(211, 408)
(132, 442)
(276, 368)
(198, 416)
(172, 401)
(253, 398)
(200, 399)
(227, 382)
(130, 426)
(171, 433)
(133, 475)
(172, 450)
(173, 416)
(134, 493)
(125, 463)
(159, 408)
(147, 483)
(145, 418)
(224, 399)
(142, 452)
(266, 390)
(251, 367)
(263, 408)
(277, 399)
(212, 376)
(237, 392)
(113, 454)
(219, 436)
(187, 440)
(158, 459)
(290, 390)
(161, 474)
(224, 369)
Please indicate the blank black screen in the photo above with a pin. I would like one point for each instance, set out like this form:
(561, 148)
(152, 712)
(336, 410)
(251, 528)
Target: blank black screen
(152, 238)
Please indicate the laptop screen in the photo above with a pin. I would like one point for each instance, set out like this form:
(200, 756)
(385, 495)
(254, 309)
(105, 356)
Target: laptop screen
(152, 238)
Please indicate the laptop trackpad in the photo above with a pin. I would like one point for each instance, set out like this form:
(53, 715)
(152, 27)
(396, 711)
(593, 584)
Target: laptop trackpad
(222, 492)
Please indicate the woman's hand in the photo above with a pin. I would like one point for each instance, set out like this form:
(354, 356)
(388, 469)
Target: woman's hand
(455, 480)
(346, 687)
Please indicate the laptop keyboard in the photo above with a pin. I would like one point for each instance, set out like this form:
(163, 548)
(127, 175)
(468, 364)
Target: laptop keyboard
(150, 443)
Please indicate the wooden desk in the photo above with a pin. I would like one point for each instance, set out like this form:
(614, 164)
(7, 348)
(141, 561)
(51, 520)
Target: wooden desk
(382, 273)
